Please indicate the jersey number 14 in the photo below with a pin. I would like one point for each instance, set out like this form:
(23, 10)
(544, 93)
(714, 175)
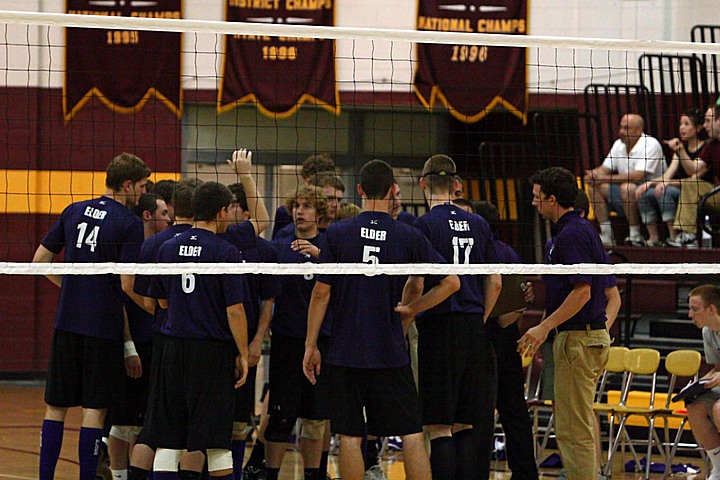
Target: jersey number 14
(92, 236)
(461, 249)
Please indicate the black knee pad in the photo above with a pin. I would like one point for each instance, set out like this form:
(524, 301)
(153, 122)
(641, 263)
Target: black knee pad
(135, 473)
(279, 429)
(189, 475)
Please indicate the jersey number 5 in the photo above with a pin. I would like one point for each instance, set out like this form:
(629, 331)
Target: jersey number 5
(368, 254)
(462, 244)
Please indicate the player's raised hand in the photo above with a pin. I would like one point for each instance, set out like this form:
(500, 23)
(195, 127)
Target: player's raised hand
(311, 364)
(305, 247)
(241, 370)
(241, 161)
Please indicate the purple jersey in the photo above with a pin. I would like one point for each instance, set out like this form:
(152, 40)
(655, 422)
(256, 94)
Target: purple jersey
(461, 238)
(405, 217)
(282, 219)
(288, 231)
(242, 235)
(262, 287)
(94, 231)
(291, 306)
(197, 304)
(149, 254)
(366, 331)
(576, 242)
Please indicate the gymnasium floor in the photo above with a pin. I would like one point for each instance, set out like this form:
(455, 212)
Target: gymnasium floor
(21, 413)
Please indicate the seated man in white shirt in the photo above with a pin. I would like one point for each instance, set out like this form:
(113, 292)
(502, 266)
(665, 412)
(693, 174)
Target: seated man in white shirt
(633, 158)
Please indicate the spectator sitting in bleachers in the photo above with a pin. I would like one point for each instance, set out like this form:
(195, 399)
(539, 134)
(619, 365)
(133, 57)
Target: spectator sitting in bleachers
(661, 194)
(695, 186)
(633, 157)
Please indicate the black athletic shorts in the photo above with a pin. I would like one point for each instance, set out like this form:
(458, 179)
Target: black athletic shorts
(456, 369)
(131, 407)
(193, 400)
(84, 371)
(385, 397)
(245, 395)
(291, 393)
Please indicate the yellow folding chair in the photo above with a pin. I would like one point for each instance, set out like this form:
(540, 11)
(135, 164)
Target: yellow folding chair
(680, 363)
(645, 362)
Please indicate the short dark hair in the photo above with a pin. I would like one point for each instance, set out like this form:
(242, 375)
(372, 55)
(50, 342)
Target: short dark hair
(165, 188)
(209, 199)
(147, 202)
(150, 186)
(327, 179)
(710, 294)
(439, 173)
(238, 192)
(376, 179)
(314, 195)
(124, 167)
(559, 182)
(488, 211)
(315, 164)
(464, 202)
(582, 202)
(182, 197)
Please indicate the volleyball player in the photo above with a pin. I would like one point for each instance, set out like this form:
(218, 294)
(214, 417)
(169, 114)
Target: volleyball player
(258, 310)
(141, 460)
(312, 165)
(127, 416)
(456, 362)
(367, 364)
(291, 396)
(204, 330)
(86, 359)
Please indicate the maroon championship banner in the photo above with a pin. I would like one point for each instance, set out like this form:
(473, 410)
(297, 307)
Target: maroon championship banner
(471, 80)
(279, 74)
(123, 68)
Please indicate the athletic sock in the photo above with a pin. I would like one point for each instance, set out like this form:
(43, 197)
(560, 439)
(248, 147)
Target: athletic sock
(442, 458)
(714, 456)
(311, 474)
(272, 473)
(465, 454)
(323, 470)
(137, 473)
(257, 455)
(51, 437)
(190, 475)
(238, 455)
(635, 231)
(166, 475)
(370, 456)
(89, 452)
(229, 476)
(119, 474)
(606, 228)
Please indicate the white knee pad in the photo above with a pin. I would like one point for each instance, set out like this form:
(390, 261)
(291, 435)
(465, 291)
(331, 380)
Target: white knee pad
(239, 429)
(167, 460)
(219, 459)
(126, 433)
(313, 429)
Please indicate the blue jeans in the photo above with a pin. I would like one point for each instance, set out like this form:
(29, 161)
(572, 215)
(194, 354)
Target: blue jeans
(666, 205)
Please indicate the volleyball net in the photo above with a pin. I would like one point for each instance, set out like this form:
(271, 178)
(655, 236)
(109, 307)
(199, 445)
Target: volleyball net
(77, 89)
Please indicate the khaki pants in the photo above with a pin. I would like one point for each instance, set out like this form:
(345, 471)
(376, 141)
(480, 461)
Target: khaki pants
(580, 357)
(691, 191)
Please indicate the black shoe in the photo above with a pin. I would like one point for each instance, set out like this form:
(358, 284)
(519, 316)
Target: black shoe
(254, 473)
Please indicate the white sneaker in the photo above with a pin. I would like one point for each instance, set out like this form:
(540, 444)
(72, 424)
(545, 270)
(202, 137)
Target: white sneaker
(635, 241)
(682, 239)
(375, 473)
(607, 240)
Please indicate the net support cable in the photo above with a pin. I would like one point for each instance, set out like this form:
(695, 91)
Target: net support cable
(308, 31)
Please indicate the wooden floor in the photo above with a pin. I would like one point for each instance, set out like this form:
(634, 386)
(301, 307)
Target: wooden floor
(22, 410)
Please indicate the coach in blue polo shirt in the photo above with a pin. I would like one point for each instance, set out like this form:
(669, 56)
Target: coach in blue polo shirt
(575, 306)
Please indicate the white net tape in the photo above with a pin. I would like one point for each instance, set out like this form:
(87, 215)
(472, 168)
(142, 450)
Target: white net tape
(357, 269)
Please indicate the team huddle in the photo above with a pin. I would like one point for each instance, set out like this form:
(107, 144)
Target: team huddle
(180, 351)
